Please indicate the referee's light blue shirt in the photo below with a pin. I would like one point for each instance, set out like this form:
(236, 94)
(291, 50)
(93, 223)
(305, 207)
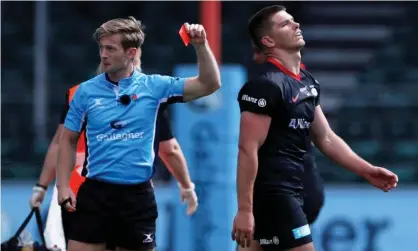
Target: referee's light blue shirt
(120, 138)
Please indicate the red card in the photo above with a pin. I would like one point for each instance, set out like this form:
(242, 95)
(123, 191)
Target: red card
(184, 36)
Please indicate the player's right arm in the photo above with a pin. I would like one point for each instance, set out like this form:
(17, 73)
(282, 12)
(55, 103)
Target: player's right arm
(49, 167)
(48, 171)
(258, 101)
(68, 146)
(253, 132)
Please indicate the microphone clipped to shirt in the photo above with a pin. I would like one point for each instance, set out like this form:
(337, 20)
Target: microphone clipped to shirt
(125, 99)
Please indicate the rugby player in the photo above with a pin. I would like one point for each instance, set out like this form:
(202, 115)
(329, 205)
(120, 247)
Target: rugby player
(120, 162)
(280, 115)
(313, 184)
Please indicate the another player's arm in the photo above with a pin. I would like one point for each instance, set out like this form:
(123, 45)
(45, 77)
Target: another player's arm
(332, 146)
(171, 154)
(173, 158)
(209, 79)
(253, 132)
(48, 169)
(68, 145)
(66, 156)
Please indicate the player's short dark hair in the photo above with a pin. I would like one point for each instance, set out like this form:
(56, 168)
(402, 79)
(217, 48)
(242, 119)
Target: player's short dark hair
(260, 21)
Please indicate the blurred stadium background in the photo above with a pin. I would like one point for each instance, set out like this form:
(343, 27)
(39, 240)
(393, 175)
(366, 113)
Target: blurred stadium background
(363, 54)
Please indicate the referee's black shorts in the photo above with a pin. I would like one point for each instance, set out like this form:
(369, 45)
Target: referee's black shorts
(123, 215)
(280, 222)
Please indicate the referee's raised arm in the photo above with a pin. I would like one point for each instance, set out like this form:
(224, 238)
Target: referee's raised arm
(209, 79)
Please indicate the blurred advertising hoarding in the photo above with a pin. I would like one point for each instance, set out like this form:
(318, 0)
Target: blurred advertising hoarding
(353, 219)
(362, 218)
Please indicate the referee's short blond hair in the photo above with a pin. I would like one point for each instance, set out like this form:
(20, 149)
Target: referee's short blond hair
(130, 29)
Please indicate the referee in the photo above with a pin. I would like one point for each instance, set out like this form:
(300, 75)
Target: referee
(120, 108)
(169, 151)
(280, 116)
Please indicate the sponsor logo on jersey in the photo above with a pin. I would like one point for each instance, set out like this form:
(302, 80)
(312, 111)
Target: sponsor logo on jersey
(274, 241)
(118, 124)
(260, 102)
(120, 136)
(299, 124)
(245, 97)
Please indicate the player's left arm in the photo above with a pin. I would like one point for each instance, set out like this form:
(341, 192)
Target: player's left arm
(332, 146)
(171, 154)
(170, 151)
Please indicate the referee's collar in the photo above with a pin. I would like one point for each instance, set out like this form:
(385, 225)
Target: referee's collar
(125, 82)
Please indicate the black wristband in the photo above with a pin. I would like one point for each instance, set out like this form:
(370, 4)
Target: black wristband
(39, 185)
(62, 204)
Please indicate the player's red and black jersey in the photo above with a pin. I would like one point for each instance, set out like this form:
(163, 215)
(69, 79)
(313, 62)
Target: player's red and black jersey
(290, 101)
